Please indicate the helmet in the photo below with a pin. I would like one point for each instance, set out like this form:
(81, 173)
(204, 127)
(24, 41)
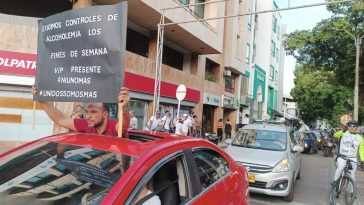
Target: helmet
(352, 122)
(345, 119)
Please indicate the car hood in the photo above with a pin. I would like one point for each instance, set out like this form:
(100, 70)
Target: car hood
(256, 156)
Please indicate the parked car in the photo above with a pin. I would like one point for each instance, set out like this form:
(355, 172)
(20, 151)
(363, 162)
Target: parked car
(310, 142)
(273, 162)
(77, 168)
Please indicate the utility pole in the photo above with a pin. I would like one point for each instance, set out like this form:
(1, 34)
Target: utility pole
(356, 88)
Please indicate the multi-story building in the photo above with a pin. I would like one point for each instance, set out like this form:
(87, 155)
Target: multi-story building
(268, 62)
(217, 60)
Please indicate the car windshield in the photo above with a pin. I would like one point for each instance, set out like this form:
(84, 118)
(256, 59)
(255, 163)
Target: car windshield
(261, 139)
(52, 173)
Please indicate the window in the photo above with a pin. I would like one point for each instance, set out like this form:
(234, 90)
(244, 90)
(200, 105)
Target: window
(212, 70)
(185, 2)
(169, 182)
(172, 58)
(61, 170)
(229, 83)
(271, 73)
(274, 24)
(276, 76)
(211, 166)
(278, 32)
(200, 9)
(247, 53)
(261, 139)
(273, 49)
(277, 54)
(137, 43)
(244, 88)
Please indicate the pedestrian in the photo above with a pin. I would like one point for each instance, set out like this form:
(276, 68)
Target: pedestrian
(219, 126)
(194, 127)
(185, 125)
(155, 122)
(227, 129)
(133, 125)
(97, 120)
(179, 124)
(190, 122)
(166, 121)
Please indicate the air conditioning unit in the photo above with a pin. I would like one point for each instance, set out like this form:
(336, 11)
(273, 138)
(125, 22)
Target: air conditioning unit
(227, 73)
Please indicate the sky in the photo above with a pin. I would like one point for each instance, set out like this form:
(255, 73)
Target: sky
(299, 19)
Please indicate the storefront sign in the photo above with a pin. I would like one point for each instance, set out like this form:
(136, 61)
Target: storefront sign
(211, 99)
(81, 54)
(133, 82)
(17, 63)
(231, 102)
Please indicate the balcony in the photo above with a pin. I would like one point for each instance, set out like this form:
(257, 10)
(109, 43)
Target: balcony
(197, 37)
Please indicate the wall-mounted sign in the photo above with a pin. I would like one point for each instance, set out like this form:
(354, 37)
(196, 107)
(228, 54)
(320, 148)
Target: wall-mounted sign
(81, 54)
(17, 63)
(211, 99)
(231, 102)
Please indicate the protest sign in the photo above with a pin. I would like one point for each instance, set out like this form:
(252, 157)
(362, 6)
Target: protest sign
(81, 54)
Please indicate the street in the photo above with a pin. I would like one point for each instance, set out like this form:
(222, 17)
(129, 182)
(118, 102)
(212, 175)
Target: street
(313, 187)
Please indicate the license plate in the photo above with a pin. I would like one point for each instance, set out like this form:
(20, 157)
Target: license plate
(251, 177)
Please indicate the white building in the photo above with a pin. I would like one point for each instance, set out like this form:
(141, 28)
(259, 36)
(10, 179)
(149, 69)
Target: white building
(267, 61)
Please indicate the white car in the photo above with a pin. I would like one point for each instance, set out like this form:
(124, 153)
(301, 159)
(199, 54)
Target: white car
(272, 159)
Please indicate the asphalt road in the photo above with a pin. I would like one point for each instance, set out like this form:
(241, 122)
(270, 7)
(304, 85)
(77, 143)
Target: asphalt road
(313, 187)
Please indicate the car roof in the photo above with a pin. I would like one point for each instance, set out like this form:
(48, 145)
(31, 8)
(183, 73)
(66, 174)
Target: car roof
(266, 126)
(137, 143)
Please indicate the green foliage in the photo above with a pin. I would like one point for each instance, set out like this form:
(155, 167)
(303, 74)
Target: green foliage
(325, 72)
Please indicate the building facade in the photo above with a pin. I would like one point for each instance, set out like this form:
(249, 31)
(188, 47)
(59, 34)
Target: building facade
(267, 86)
(224, 63)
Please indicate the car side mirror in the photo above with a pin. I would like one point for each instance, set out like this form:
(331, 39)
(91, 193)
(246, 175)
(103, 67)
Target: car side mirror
(297, 148)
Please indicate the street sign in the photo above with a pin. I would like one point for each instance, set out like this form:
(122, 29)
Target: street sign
(181, 92)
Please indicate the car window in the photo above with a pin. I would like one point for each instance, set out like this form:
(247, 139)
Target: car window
(261, 139)
(211, 166)
(53, 173)
(168, 184)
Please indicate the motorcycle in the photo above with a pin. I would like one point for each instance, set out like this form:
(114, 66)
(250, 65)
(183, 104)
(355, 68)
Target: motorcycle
(328, 146)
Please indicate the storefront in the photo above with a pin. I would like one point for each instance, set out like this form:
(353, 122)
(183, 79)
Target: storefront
(18, 122)
(210, 103)
(142, 97)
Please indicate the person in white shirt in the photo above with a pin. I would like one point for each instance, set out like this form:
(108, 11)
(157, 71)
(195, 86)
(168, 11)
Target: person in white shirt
(154, 200)
(186, 125)
(155, 122)
(166, 121)
(179, 127)
(133, 125)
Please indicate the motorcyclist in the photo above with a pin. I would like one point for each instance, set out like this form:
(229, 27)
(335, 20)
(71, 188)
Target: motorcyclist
(350, 143)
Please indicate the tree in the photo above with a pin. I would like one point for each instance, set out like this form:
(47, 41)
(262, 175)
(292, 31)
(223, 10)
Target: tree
(326, 64)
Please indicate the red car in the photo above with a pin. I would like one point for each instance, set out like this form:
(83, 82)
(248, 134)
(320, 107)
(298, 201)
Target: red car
(75, 168)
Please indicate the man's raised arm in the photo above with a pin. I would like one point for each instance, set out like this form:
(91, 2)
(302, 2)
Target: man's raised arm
(56, 115)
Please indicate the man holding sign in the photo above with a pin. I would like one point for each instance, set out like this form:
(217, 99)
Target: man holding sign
(97, 121)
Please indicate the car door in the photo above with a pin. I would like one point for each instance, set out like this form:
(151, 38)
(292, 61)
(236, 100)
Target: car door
(217, 183)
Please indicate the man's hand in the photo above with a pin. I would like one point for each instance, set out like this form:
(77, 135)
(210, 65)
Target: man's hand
(124, 97)
(34, 89)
